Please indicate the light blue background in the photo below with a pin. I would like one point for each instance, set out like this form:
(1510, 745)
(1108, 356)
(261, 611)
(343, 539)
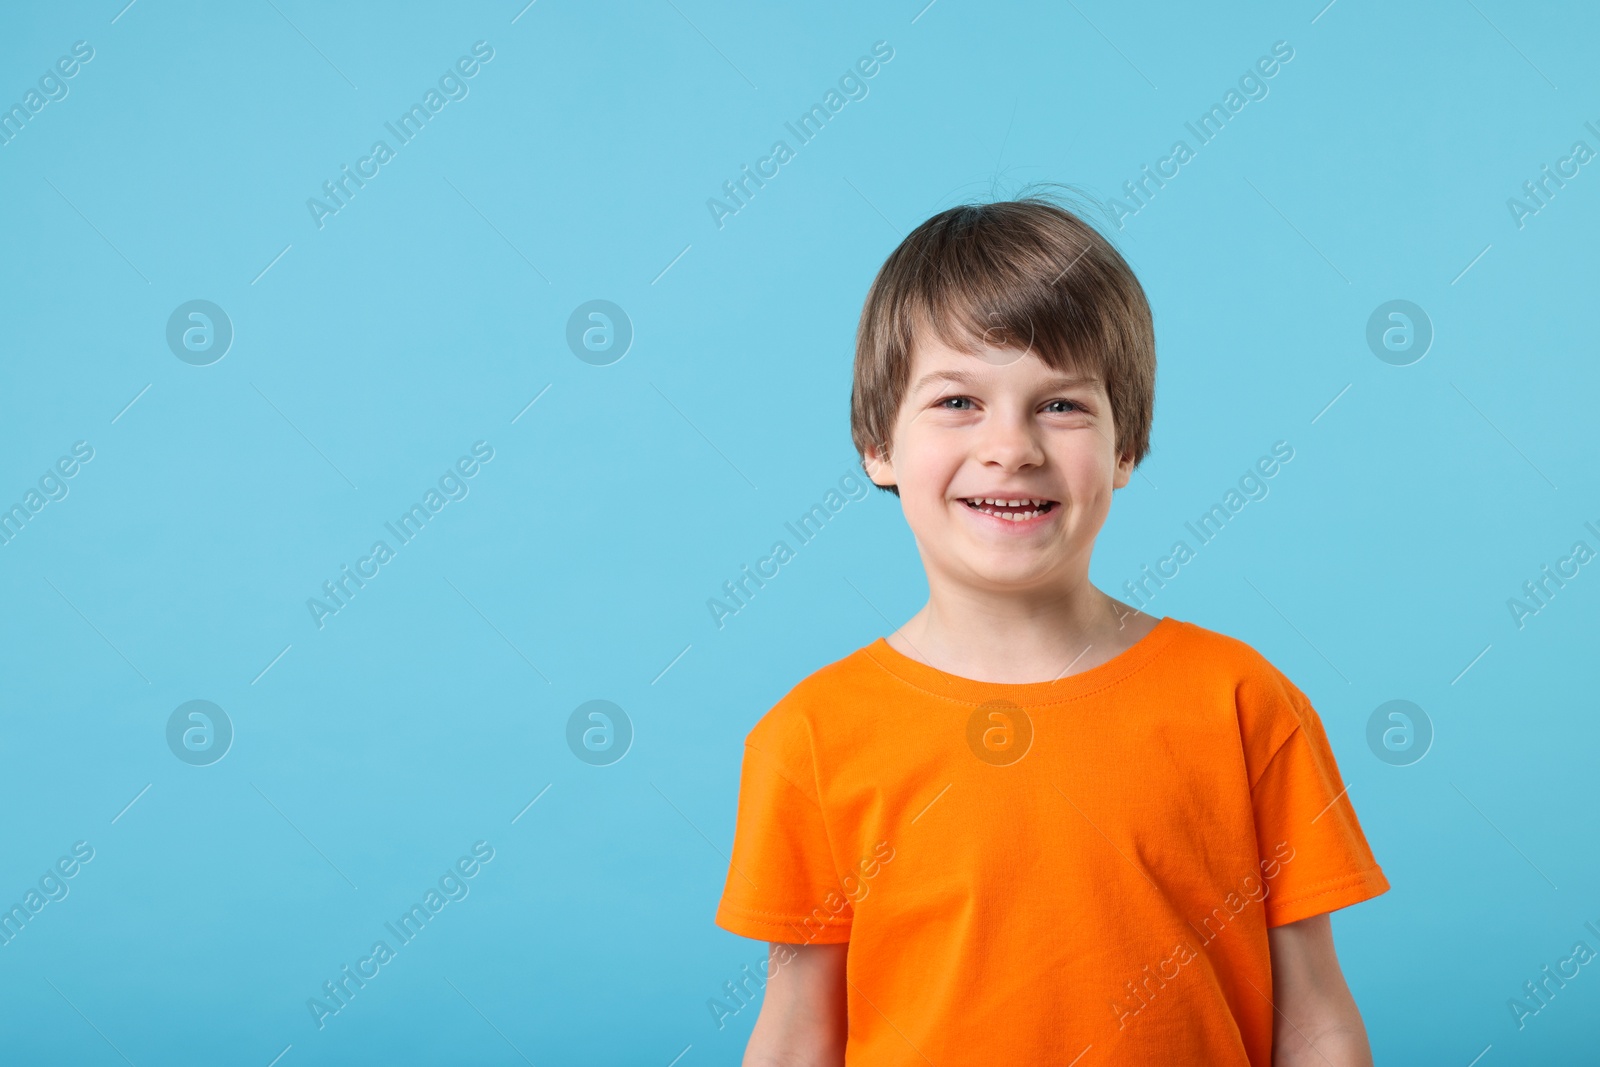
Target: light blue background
(422, 318)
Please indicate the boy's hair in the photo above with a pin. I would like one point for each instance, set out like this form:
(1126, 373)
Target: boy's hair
(1022, 274)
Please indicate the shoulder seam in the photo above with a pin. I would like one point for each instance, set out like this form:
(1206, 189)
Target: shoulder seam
(1275, 753)
(822, 813)
(779, 769)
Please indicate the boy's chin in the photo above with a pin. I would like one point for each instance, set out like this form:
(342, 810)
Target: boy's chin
(1013, 570)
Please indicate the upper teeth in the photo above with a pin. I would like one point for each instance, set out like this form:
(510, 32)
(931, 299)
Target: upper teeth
(1007, 503)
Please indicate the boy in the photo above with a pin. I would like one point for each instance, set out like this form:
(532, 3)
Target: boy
(1032, 825)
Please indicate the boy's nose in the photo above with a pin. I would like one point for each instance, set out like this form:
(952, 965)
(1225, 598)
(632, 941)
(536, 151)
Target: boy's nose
(1010, 443)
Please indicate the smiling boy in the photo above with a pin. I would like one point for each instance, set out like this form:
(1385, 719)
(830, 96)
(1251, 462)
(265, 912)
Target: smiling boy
(1112, 838)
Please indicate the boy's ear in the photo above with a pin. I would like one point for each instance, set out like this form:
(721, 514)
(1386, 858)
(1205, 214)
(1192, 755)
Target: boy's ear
(1124, 470)
(875, 462)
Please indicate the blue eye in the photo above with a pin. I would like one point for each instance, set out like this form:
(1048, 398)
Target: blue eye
(1074, 403)
(949, 399)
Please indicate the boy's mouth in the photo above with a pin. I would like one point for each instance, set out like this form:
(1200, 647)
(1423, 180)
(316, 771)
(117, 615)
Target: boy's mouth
(1019, 509)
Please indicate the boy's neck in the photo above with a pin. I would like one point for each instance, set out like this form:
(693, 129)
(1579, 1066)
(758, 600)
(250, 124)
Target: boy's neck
(1011, 639)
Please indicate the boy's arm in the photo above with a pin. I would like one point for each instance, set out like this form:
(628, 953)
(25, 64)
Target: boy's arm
(1316, 1021)
(802, 1020)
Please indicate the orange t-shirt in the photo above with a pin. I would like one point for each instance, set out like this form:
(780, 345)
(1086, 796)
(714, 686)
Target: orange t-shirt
(1026, 873)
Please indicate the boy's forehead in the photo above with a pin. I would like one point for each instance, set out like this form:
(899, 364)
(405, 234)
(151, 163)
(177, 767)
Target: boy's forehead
(935, 363)
(994, 346)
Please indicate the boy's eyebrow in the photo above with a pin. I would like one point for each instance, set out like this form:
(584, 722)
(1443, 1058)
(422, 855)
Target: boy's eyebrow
(961, 377)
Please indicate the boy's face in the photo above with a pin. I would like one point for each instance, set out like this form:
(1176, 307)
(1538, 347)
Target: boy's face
(1001, 424)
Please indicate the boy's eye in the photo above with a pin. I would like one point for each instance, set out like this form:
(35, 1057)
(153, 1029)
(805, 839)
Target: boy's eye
(948, 403)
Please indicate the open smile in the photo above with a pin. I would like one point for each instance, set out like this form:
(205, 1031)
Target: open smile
(1020, 510)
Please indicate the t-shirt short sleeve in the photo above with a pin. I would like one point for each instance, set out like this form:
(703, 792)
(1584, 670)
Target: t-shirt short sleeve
(782, 883)
(1315, 857)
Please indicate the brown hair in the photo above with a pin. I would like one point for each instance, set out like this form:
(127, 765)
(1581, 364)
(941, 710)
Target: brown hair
(1024, 273)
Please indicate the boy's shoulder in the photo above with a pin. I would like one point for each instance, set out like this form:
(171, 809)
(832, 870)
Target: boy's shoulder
(1268, 707)
(1241, 657)
(832, 686)
(1225, 653)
